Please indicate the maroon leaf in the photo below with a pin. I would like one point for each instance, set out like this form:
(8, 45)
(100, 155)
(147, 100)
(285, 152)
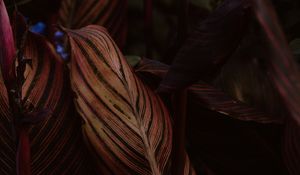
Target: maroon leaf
(55, 141)
(205, 51)
(207, 95)
(285, 74)
(220, 133)
(23, 152)
(7, 47)
(111, 14)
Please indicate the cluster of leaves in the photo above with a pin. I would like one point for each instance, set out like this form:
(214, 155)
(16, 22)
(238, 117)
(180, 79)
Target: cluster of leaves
(231, 94)
(125, 125)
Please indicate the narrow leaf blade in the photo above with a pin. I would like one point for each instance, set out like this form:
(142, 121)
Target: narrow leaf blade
(206, 95)
(285, 74)
(7, 46)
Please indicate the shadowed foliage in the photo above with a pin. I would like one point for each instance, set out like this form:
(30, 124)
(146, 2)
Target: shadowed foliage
(111, 14)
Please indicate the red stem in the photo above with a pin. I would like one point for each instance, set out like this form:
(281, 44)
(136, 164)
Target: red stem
(179, 106)
(23, 153)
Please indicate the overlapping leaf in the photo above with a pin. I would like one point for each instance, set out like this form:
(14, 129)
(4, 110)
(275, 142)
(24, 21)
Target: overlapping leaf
(217, 132)
(285, 75)
(7, 147)
(56, 143)
(209, 46)
(112, 14)
(126, 123)
(7, 47)
(7, 52)
(207, 96)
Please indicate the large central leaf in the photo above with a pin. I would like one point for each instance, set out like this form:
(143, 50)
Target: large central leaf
(126, 123)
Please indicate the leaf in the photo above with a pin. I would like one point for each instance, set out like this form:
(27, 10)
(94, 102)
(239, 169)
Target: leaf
(228, 136)
(7, 147)
(133, 60)
(111, 14)
(245, 77)
(56, 142)
(126, 123)
(7, 47)
(209, 46)
(206, 95)
(285, 75)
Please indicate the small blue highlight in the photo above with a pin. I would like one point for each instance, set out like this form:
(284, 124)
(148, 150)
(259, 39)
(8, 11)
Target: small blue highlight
(39, 28)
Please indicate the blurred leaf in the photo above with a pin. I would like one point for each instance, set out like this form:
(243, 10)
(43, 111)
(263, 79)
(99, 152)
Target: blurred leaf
(245, 77)
(289, 14)
(284, 72)
(295, 46)
(228, 136)
(209, 46)
(133, 60)
(111, 14)
(207, 96)
(207, 4)
(126, 124)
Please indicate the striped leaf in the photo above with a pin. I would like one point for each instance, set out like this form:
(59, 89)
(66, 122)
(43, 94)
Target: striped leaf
(126, 124)
(112, 14)
(56, 143)
(7, 146)
(7, 54)
(218, 132)
(207, 95)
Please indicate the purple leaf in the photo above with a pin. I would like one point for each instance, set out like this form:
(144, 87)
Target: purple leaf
(211, 44)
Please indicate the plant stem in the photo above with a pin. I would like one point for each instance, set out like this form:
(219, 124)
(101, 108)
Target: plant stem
(16, 106)
(23, 152)
(179, 101)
